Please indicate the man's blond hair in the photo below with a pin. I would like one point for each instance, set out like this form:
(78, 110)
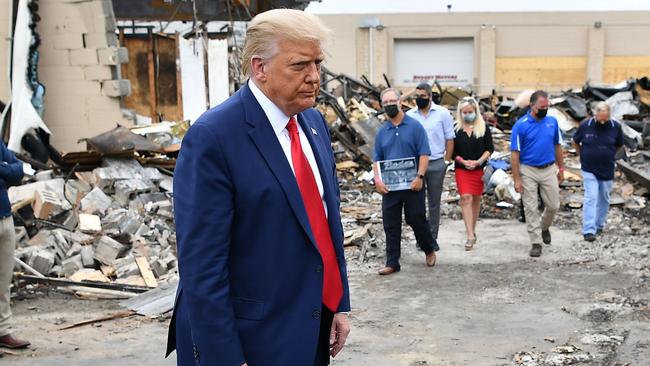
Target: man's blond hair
(273, 26)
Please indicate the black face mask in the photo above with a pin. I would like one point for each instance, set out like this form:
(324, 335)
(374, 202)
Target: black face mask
(391, 110)
(422, 102)
(541, 113)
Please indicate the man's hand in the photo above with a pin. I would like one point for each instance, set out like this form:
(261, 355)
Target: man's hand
(416, 184)
(339, 333)
(381, 188)
(518, 186)
(560, 176)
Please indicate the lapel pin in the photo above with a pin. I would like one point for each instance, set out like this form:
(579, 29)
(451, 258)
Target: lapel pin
(314, 131)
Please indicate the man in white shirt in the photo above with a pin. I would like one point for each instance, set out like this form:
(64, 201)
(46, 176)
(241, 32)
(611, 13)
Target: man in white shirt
(439, 126)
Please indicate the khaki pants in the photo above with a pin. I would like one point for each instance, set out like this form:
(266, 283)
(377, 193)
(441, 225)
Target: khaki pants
(7, 248)
(546, 180)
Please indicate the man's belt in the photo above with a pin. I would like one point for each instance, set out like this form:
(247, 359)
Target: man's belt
(543, 166)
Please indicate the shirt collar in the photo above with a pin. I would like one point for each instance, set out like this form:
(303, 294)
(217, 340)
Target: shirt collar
(403, 123)
(274, 114)
(592, 121)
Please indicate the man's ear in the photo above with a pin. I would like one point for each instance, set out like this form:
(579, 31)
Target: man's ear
(258, 67)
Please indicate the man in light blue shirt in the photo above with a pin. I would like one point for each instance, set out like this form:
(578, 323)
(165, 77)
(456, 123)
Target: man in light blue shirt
(438, 124)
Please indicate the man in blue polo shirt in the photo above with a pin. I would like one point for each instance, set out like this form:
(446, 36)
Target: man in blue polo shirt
(399, 138)
(597, 141)
(538, 165)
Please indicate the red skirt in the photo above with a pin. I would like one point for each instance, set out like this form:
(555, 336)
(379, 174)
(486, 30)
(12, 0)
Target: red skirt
(469, 181)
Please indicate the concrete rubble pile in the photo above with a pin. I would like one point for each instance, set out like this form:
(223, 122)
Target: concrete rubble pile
(113, 224)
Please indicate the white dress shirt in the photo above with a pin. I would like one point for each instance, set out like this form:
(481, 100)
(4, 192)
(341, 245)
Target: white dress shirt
(279, 123)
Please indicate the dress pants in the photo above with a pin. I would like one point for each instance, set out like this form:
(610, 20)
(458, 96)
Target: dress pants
(433, 181)
(413, 205)
(545, 182)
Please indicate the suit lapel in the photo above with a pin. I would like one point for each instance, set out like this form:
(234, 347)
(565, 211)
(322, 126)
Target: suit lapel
(264, 138)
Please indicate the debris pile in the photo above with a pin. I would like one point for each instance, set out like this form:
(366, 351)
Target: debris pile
(112, 225)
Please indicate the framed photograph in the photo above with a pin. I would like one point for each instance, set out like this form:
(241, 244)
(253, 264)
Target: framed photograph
(397, 174)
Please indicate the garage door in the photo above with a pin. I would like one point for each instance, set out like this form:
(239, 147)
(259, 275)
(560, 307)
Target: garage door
(449, 60)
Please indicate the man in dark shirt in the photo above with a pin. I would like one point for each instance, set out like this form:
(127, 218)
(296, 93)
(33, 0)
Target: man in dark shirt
(597, 141)
(399, 138)
(11, 172)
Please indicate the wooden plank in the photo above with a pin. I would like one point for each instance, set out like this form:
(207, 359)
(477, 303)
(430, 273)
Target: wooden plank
(146, 272)
(24, 203)
(153, 99)
(118, 315)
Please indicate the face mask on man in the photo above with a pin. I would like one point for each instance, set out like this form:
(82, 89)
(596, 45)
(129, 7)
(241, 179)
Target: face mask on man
(422, 102)
(469, 118)
(541, 113)
(391, 110)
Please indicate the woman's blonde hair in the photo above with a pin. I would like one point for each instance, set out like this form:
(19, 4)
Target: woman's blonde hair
(270, 27)
(479, 123)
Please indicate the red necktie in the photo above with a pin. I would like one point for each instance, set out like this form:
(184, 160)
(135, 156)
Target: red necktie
(332, 285)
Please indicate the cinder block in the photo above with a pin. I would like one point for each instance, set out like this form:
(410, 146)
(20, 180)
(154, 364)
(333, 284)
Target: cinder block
(42, 260)
(113, 55)
(71, 265)
(89, 223)
(45, 204)
(61, 73)
(68, 41)
(51, 56)
(116, 88)
(74, 88)
(87, 256)
(100, 40)
(85, 56)
(108, 250)
(98, 72)
(77, 24)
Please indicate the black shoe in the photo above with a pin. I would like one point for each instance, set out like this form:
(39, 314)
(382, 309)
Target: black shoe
(599, 232)
(546, 236)
(590, 237)
(536, 250)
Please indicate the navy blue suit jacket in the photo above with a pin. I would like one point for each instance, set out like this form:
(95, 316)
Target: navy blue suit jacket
(250, 272)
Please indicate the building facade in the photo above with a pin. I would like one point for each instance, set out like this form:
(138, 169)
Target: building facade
(506, 52)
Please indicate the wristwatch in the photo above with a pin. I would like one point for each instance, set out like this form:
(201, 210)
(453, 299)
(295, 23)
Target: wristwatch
(421, 176)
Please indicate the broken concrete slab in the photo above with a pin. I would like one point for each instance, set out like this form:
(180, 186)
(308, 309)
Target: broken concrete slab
(71, 265)
(127, 189)
(96, 202)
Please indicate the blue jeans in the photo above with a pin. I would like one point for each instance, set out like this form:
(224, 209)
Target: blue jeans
(596, 203)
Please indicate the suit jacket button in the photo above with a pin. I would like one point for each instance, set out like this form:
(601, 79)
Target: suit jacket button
(316, 314)
(319, 268)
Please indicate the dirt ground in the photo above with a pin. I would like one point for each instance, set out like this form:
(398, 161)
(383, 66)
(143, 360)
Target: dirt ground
(473, 308)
